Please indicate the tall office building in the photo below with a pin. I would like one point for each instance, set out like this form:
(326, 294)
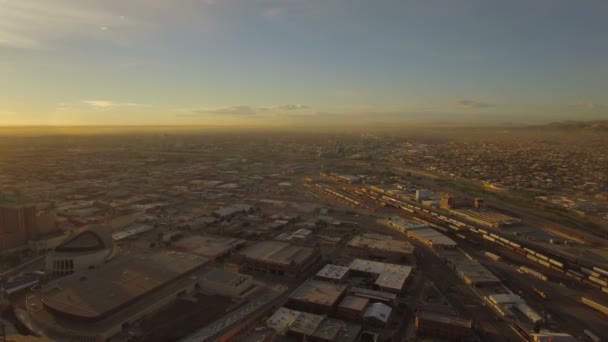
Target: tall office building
(17, 222)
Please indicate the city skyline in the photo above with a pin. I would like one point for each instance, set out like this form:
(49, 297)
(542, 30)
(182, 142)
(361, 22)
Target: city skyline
(282, 62)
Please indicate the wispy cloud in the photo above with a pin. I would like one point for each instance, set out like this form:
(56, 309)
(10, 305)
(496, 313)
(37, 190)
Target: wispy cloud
(227, 111)
(474, 104)
(242, 110)
(101, 104)
(32, 24)
(287, 107)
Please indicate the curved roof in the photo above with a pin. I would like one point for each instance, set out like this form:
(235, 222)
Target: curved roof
(93, 238)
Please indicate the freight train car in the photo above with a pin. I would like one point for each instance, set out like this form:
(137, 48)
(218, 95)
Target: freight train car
(595, 305)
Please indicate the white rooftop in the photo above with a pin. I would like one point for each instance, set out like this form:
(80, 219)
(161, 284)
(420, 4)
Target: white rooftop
(331, 271)
(390, 276)
(379, 311)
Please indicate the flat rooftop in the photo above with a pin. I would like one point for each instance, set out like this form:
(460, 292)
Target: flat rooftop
(471, 269)
(318, 292)
(431, 236)
(373, 294)
(389, 275)
(94, 294)
(285, 320)
(487, 215)
(208, 246)
(331, 271)
(231, 279)
(354, 303)
(381, 243)
(277, 252)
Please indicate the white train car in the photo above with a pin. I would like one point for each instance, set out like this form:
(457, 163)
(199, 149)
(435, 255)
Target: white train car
(602, 271)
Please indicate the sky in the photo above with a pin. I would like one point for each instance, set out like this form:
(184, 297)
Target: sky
(275, 62)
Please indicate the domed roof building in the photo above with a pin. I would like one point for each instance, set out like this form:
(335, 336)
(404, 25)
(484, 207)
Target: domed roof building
(87, 249)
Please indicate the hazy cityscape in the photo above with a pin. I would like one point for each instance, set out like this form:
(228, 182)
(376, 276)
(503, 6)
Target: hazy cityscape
(303, 170)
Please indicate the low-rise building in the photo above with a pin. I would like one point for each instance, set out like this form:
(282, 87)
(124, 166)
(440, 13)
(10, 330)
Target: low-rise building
(210, 247)
(379, 247)
(471, 271)
(353, 307)
(332, 272)
(378, 314)
(388, 277)
(277, 258)
(317, 296)
(230, 284)
(304, 325)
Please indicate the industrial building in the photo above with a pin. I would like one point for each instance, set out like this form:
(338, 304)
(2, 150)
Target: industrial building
(317, 296)
(99, 304)
(421, 233)
(332, 272)
(90, 248)
(353, 307)
(471, 271)
(486, 217)
(441, 322)
(210, 247)
(379, 247)
(374, 295)
(378, 314)
(388, 277)
(225, 283)
(512, 305)
(311, 327)
(277, 258)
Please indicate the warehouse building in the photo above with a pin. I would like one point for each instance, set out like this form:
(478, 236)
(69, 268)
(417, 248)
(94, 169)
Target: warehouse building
(317, 296)
(353, 307)
(486, 217)
(228, 284)
(373, 295)
(471, 271)
(311, 327)
(379, 247)
(210, 247)
(378, 314)
(388, 277)
(332, 272)
(99, 304)
(277, 258)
